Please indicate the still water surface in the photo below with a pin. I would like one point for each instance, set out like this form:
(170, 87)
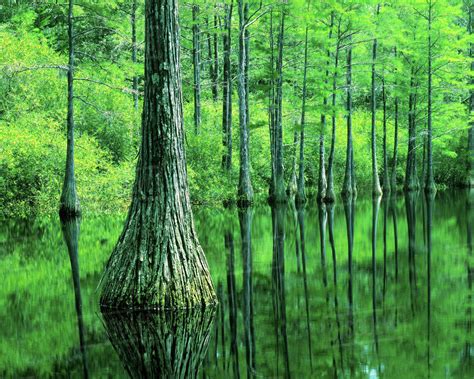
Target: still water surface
(365, 290)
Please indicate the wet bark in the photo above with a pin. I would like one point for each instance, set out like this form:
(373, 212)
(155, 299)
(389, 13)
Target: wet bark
(161, 344)
(196, 68)
(300, 194)
(158, 261)
(245, 190)
(69, 202)
(227, 90)
(292, 183)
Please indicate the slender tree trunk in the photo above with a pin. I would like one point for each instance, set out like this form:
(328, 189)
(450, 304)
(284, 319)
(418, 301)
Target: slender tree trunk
(247, 65)
(395, 148)
(376, 190)
(227, 90)
(69, 202)
(271, 113)
(300, 194)
(134, 52)
(386, 176)
(471, 103)
(158, 262)
(212, 56)
(280, 193)
(196, 69)
(348, 186)
(215, 77)
(245, 191)
(411, 180)
(292, 183)
(430, 186)
(322, 182)
(330, 194)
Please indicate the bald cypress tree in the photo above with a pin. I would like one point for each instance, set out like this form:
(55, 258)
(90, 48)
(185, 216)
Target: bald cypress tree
(69, 202)
(158, 261)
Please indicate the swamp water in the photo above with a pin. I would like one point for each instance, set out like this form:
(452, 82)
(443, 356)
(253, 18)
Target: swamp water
(364, 290)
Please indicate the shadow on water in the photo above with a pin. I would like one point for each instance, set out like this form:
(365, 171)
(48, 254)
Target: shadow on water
(161, 344)
(70, 229)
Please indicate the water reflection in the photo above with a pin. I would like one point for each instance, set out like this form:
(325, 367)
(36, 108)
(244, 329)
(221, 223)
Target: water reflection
(70, 229)
(161, 344)
(376, 289)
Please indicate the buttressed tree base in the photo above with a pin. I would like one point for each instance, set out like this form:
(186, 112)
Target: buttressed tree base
(158, 262)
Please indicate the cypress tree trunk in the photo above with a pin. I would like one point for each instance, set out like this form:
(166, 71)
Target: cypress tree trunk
(292, 183)
(411, 180)
(211, 56)
(300, 194)
(322, 182)
(376, 190)
(158, 261)
(395, 148)
(386, 178)
(280, 193)
(245, 191)
(215, 82)
(430, 184)
(271, 112)
(348, 186)
(134, 52)
(196, 69)
(227, 90)
(471, 104)
(330, 194)
(69, 202)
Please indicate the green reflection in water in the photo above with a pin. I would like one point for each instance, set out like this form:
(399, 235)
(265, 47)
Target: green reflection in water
(363, 289)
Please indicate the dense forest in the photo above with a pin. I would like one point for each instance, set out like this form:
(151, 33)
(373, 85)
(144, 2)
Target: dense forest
(281, 99)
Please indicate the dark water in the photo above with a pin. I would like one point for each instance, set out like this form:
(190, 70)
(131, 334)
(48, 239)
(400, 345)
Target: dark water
(364, 290)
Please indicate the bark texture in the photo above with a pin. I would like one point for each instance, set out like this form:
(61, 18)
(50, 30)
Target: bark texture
(158, 261)
(69, 202)
(161, 344)
(386, 176)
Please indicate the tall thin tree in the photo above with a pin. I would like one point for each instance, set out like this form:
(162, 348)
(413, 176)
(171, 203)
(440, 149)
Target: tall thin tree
(69, 202)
